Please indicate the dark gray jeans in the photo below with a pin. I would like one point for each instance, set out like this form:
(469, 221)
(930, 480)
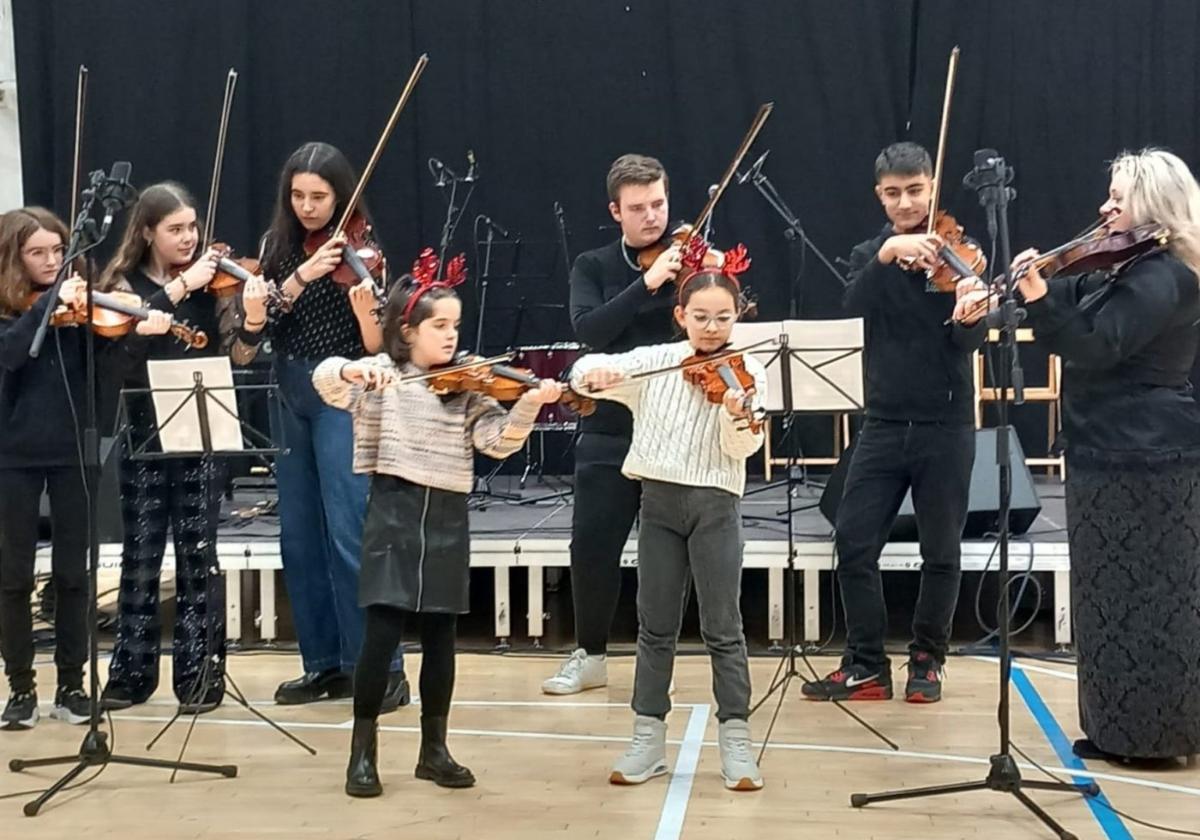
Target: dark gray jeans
(686, 534)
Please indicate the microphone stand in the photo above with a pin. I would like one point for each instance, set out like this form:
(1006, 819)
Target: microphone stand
(795, 233)
(95, 750)
(991, 177)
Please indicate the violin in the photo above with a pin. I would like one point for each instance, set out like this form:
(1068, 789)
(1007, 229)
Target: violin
(115, 315)
(649, 255)
(719, 376)
(960, 258)
(1096, 249)
(501, 383)
(361, 257)
(685, 233)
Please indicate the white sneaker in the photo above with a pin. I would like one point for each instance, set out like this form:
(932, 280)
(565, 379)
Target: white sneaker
(738, 766)
(647, 753)
(579, 673)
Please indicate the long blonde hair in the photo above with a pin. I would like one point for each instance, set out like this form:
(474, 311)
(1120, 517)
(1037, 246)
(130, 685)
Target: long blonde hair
(1163, 190)
(155, 203)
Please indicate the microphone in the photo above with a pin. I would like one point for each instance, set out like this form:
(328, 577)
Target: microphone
(438, 170)
(754, 171)
(471, 176)
(500, 229)
(115, 192)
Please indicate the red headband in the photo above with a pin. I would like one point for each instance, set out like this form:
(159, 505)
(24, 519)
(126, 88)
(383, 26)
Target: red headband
(733, 263)
(425, 269)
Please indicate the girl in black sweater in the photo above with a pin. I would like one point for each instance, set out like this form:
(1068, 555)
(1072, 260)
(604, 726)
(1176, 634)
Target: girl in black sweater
(41, 449)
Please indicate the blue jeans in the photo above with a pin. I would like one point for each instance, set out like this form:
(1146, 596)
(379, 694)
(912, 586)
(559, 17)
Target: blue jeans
(322, 503)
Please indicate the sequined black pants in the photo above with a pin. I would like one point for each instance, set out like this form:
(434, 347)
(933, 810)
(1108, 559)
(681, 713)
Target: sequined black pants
(184, 494)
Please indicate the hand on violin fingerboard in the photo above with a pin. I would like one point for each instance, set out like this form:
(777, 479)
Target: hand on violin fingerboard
(1029, 281)
(201, 272)
(664, 270)
(737, 402)
(547, 391)
(254, 301)
(324, 261)
(368, 374)
(363, 300)
(918, 250)
(73, 292)
(601, 379)
(156, 323)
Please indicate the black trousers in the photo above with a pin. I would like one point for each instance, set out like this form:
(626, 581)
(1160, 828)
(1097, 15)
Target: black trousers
(890, 457)
(183, 494)
(20, 498)
(606, 504)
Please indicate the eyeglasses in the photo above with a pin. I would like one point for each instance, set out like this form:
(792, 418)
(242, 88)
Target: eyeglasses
(703, 319)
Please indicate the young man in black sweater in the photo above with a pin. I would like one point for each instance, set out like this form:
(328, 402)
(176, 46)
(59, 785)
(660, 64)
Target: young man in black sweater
(919, 434)
(615, 306)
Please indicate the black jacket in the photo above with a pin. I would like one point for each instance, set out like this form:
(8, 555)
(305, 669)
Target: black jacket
(918, 367)
(1128, 340)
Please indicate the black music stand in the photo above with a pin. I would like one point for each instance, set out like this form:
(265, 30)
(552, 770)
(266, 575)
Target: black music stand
(819, 366)
(199, 442)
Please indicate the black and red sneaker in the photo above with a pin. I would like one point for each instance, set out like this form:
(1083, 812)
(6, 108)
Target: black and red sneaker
(924, 678)
(851, 682)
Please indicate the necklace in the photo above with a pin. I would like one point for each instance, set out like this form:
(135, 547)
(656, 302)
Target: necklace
(625, 256)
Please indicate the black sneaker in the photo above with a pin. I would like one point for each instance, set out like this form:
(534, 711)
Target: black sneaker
(21, 712)
(398, 693)
(924, 678)
(851, 682)
(71, 705)
(325, 685)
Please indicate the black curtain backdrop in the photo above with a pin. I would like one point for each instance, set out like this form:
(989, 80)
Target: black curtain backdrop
(547, 92)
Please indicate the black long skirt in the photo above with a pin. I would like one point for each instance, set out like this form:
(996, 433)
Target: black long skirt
(1134, 530)
(416, 548)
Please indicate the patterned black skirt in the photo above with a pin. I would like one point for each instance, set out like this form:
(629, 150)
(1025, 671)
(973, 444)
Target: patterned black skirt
(416, 548)
(1134, 530)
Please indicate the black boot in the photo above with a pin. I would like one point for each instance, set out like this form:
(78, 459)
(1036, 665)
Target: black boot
(398, 693)
(435, 763)
(362, 778)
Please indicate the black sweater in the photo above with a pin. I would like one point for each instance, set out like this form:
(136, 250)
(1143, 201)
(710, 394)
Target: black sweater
(1128, 340)
(612, 311)
(37, 428)
(918, 367)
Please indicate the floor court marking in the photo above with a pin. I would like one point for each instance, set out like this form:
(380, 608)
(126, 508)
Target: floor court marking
(674, 810)
(616, 739)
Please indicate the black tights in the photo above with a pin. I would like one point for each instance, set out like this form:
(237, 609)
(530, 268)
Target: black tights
(384, 629)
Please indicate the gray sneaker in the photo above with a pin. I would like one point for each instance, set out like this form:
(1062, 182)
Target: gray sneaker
(738, 766)
(647, 753)
(579, 673)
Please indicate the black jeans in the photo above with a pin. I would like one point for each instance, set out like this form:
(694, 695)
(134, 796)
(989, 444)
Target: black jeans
(20, 498)
(935, 461)
(606, 503)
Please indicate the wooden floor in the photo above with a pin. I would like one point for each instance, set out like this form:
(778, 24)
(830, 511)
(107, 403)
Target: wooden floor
(542, 765)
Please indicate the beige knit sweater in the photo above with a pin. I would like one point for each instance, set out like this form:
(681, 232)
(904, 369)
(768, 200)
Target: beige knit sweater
(678, 436)
(407, 431)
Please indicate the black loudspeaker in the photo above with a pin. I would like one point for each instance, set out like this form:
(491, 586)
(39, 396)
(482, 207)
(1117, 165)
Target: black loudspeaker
(983, 506)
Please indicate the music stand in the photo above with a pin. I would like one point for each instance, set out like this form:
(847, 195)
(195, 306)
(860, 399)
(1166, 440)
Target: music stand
(200, 421)
(812, 367)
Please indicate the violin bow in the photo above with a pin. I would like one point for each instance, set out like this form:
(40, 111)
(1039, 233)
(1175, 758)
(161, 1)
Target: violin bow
(943, 132)
(405, 94)
(715, 357)
(214, 190)
(760, 118)
(80, 108)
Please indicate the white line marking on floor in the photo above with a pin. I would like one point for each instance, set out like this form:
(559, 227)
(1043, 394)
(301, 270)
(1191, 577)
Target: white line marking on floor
(670, 823)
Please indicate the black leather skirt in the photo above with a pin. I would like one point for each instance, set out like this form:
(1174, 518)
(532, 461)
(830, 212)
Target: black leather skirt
(416, 548)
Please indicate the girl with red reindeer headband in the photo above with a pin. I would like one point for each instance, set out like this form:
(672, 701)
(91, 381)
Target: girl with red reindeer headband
(418, 448)
(690, 455)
